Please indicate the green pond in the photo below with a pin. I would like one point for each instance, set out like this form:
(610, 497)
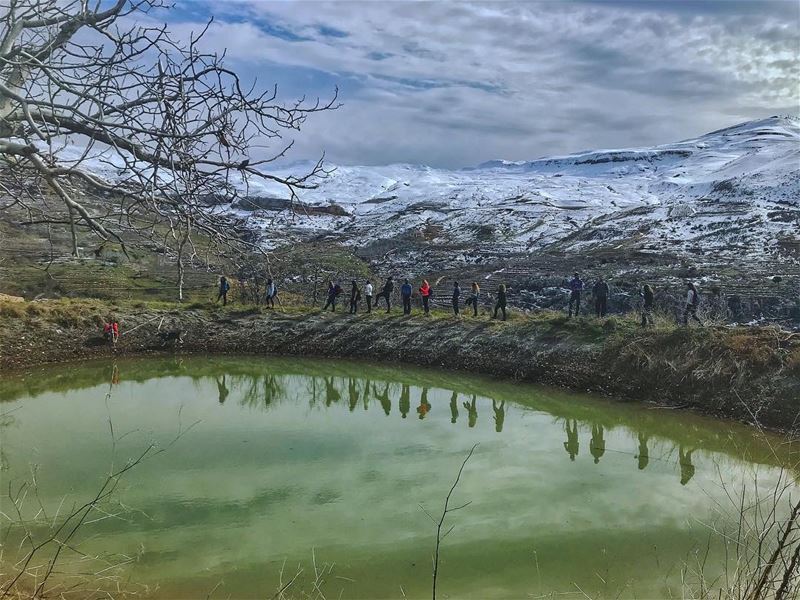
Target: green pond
(271, 466)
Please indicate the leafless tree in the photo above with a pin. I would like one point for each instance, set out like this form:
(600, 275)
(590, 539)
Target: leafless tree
(112, 126)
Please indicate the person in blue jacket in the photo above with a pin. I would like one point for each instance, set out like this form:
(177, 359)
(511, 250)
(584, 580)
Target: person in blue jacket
(405, 292)
(575, 287)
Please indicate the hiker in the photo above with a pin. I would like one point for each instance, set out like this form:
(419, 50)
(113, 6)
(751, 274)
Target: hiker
(425, 291)
(501, 301)
(224, 286)
(355, 297)
(600, 293)
(473, 298)
(456, 295)
(368, 295)
(271, 292)
(334, 290)
(405, 294)
(111, 331)
(575, 287)
(388, 288)
(648, 299)
(692, 302)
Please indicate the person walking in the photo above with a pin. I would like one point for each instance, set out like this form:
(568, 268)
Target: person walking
(405, 293)
(648, 298)
(388, 288)
(475, 291)
(600, 292)
(425, 291)
(224, 286)
(271, 292)
(368, 295)
(501, 301)
(334, 290)
(456, 296)
(355, 297)
(692, 302)
(576, 287)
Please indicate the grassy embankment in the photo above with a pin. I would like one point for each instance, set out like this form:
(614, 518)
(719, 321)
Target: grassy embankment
(747, 374)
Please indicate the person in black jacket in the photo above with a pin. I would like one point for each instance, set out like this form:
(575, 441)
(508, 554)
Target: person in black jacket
(600, 293)
(456, 296)
(388, 288)
(355, 297)
(501, 301)
(692, 302)
(224, 286)
(334, 290)
(648, 300)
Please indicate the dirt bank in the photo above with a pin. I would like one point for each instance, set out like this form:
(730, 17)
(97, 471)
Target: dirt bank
(745, 374)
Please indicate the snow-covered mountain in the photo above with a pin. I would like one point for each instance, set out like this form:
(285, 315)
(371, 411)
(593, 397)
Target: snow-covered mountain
(731, 192)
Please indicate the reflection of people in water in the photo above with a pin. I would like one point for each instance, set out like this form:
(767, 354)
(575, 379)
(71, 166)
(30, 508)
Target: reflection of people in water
(454, 407)
(644, 453)
(597, 446)
(499, 414)
(365, 397)
(687, 468)
(353, 394)
(472, 410)
(222, 388)
(331, 393)
(572, 444)
(383, 398)
(405, 400)
(272, 389)
(424, 406)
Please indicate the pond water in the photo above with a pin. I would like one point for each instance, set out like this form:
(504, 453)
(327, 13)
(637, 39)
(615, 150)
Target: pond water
(270, 466)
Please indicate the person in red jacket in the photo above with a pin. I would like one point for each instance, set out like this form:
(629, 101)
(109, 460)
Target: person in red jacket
(111, 331)
(425, 291)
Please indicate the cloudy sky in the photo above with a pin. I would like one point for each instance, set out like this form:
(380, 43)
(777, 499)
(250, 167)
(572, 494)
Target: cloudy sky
(454, 84)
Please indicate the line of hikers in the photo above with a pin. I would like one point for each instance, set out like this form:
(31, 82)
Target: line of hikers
(576, 286)
(425, 292)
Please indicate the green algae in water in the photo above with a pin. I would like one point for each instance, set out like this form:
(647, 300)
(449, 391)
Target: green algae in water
(282, 462)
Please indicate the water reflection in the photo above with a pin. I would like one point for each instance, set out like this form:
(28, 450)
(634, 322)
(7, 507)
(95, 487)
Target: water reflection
(597, 445)
(222, 389)
(571, 445)
(644, 454)
(424, 406)
(472, 411)
(405, 400)
(295, 464)
(685, 461)
(265, 390)
(499, 414)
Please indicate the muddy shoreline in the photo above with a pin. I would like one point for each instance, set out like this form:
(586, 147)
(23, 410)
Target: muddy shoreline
(742, 375)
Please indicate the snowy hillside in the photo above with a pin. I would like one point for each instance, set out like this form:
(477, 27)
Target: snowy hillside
(732, 191)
